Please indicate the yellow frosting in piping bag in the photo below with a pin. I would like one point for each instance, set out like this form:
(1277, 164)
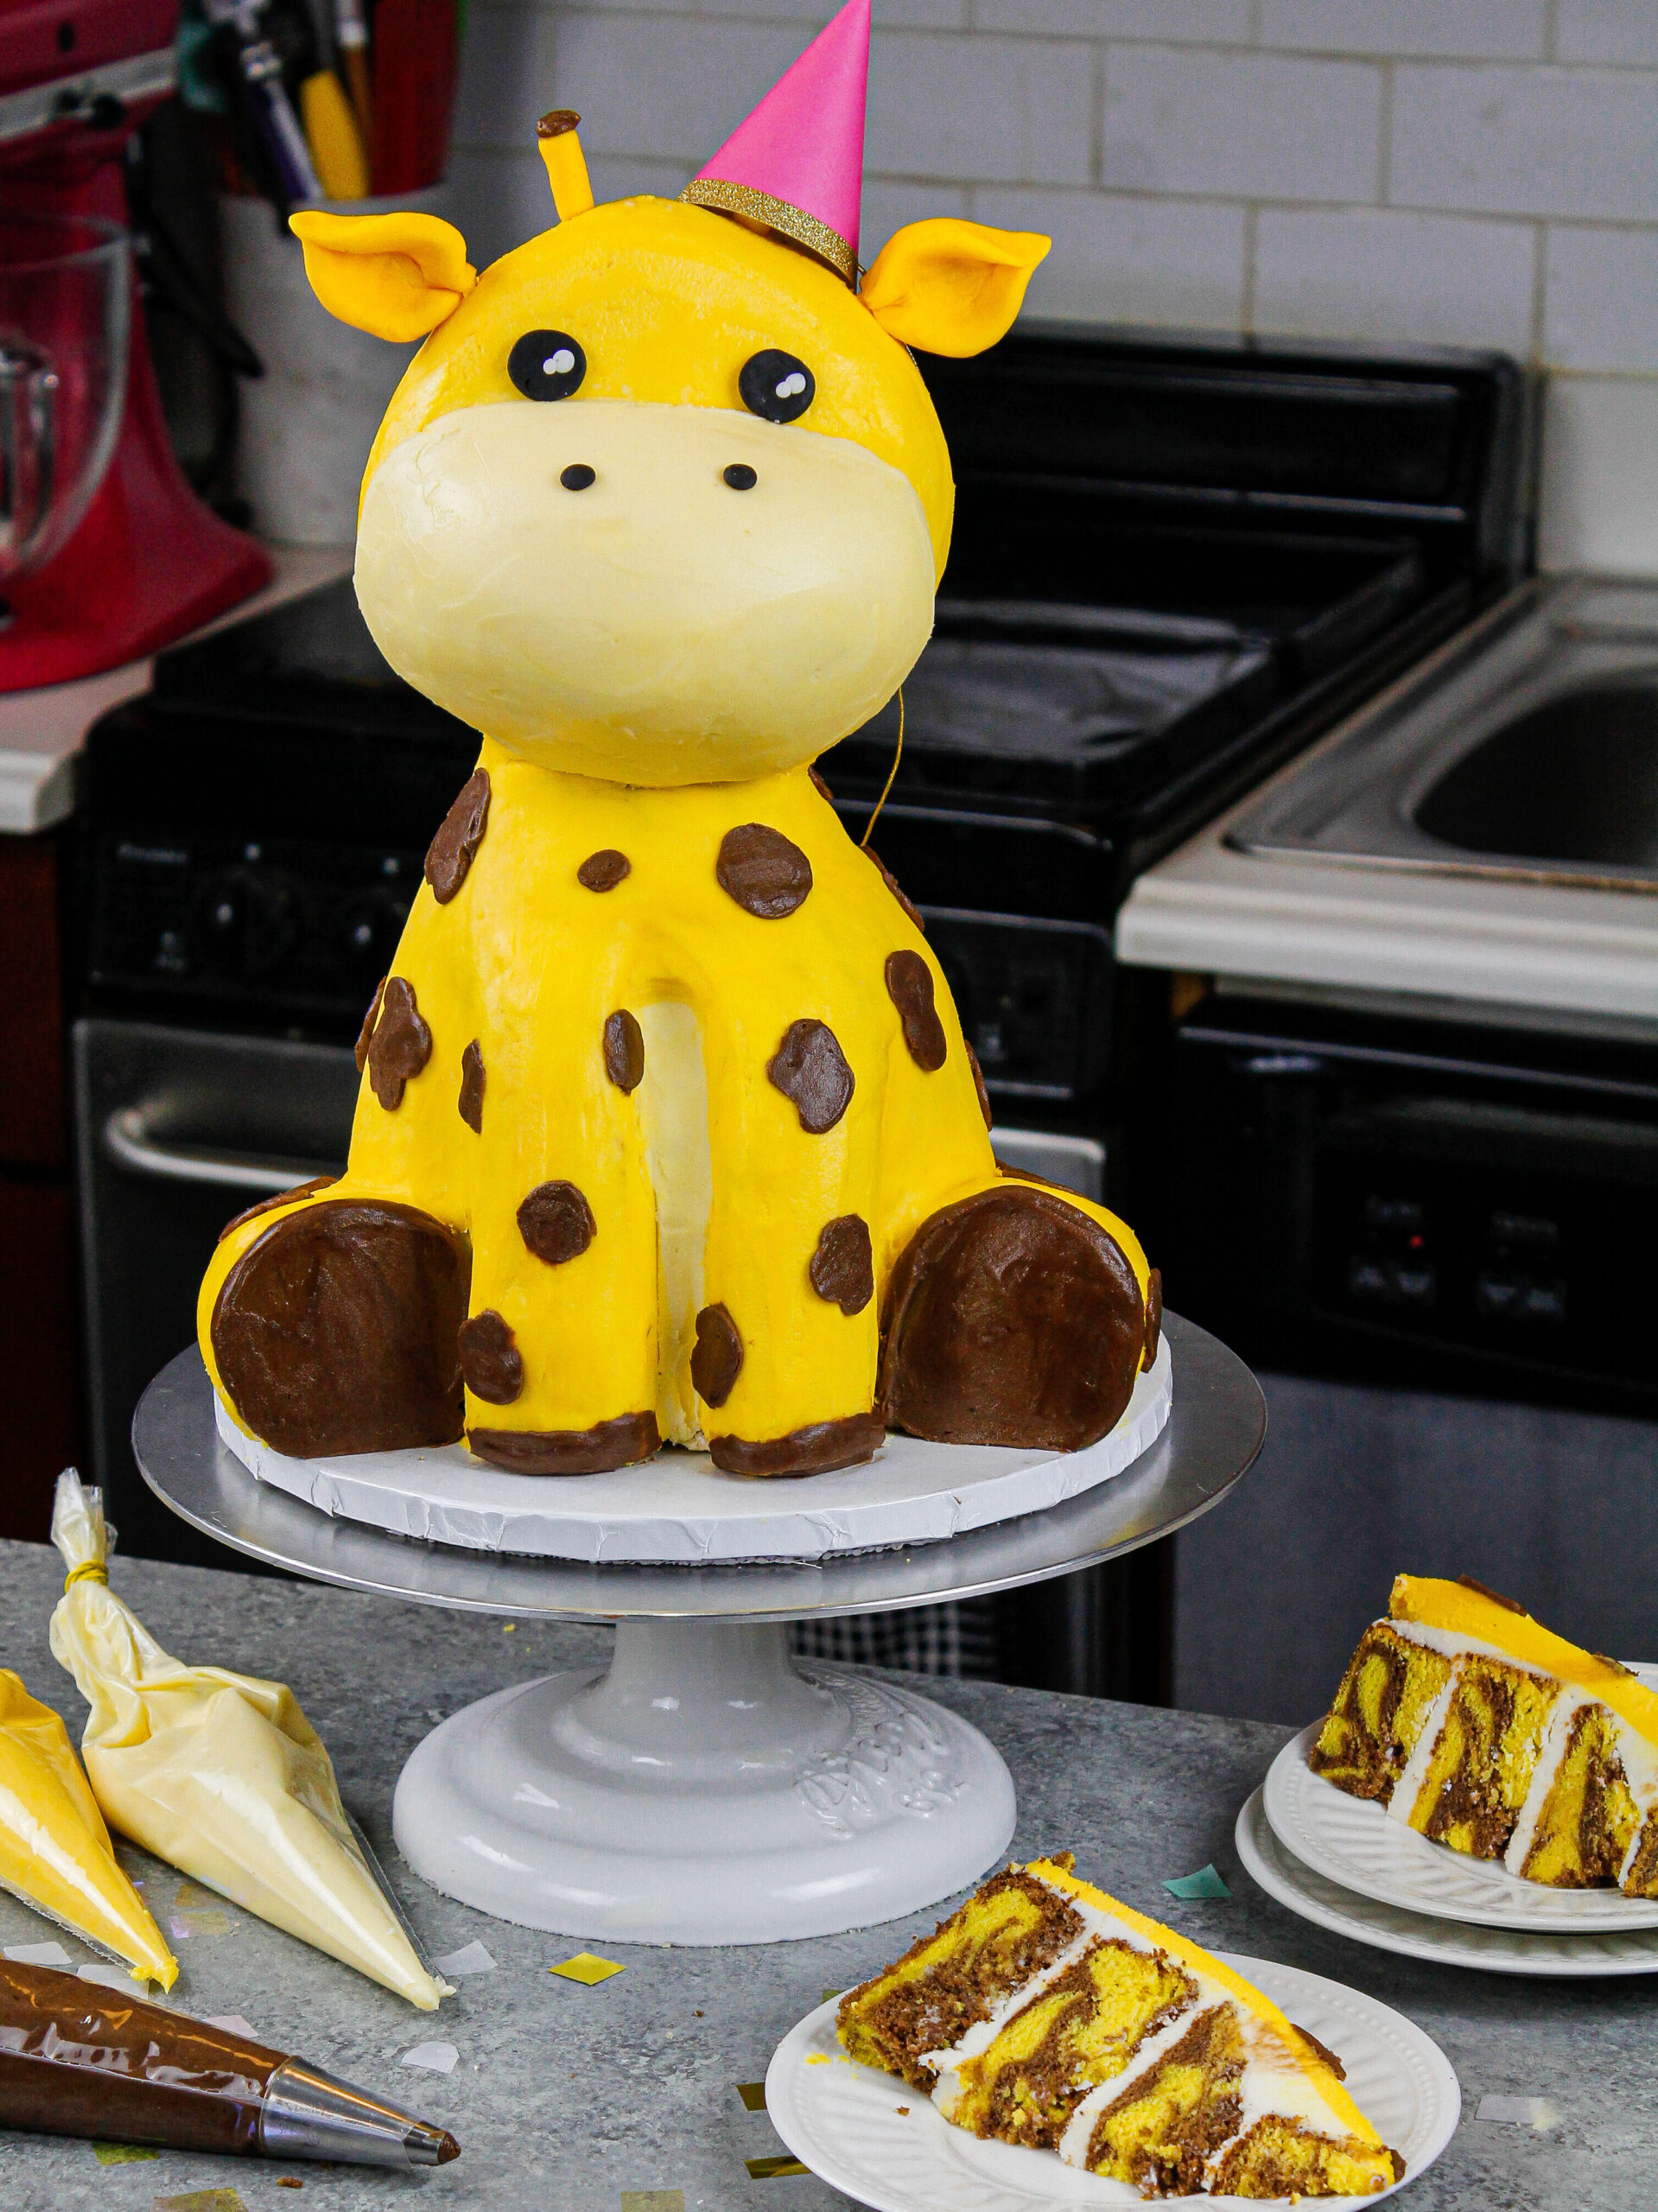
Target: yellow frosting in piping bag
(219, 1774)
(54, 1849)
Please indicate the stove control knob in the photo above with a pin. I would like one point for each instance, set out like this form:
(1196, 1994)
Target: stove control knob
(366, 936)
(245, 923)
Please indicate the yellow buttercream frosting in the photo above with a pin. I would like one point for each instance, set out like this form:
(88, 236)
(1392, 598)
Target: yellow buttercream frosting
(219, 1774)
(1458, 1609)
(54, 1849)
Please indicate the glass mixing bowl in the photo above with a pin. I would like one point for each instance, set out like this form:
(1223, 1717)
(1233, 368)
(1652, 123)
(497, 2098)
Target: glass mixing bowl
(65, 306)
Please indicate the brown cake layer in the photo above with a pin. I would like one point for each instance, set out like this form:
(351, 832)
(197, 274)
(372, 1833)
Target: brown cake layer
(1280, 2157)
(1485, 1756)
(947, 1981)
(1161, 2133)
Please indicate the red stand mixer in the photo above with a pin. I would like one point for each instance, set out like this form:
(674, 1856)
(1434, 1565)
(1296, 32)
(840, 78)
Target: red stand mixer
(105, 553)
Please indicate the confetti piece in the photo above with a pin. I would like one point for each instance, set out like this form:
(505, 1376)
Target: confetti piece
(121, 2154)
(828, 1993)
(1206, 1883)
(752, 2094)
(234, 2024)
(39, 1954)
(819, 2058)
(903, 2111)
(1520, 2112)
(431, 2058)
(287, 2181)
(773, 2168)
(587, 1970)
(509, 1628)
(201, 2200)
(472, 1958)
(115, 1978)
(653, 2199)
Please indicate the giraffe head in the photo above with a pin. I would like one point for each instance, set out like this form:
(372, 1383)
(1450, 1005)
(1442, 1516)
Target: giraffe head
(662, 498)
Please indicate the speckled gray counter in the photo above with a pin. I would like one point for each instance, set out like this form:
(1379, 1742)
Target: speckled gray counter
(572, 2098)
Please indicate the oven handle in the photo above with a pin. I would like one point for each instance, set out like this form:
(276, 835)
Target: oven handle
(128, 1141)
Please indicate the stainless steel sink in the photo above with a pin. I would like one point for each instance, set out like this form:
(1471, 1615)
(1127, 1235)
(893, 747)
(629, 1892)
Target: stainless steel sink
(1527, 747)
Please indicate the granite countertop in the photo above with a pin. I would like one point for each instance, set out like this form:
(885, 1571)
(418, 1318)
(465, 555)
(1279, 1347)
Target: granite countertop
(602, 2100)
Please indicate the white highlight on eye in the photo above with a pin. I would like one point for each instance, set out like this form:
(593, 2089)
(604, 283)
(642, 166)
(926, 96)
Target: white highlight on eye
(559, 364)
(792, 385)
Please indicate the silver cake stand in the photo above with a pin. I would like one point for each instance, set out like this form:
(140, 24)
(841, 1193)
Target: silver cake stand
(705, 1788)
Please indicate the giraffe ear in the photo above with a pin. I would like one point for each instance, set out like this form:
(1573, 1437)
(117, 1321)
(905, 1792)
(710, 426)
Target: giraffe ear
(950, 287)
(398, 276)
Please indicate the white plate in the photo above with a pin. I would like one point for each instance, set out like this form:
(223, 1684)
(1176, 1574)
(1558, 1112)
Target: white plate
(1414, 1936)
(1354, 1842)
(842, 2120)
(679, 1509)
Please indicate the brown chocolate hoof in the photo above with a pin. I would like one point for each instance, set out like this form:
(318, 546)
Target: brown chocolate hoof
(339, 1331)
(1011, 1318)
(815, 1450)
(594, 1450)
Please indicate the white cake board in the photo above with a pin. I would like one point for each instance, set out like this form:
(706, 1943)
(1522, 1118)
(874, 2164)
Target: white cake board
(677, 1509)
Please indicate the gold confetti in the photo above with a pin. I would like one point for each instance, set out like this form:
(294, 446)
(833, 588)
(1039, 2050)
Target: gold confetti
(752, 2094)
(121, 2154)
(587, 1970)
(773, 2168)
(653, 2199)
(201, 2200)
(508, 1628)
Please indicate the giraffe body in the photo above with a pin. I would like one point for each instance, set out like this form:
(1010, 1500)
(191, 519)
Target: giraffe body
(668, 1132)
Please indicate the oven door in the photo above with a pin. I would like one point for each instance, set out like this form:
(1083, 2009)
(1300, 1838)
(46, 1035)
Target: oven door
(176, 1130)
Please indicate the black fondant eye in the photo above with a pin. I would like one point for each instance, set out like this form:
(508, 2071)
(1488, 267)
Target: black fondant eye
(776, 385)
(547, 364)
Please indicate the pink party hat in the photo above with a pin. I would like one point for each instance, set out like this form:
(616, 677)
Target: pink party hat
(795, 165)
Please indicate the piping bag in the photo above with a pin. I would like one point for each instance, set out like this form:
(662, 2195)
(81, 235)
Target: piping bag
(219, 1774)
(55, 1853)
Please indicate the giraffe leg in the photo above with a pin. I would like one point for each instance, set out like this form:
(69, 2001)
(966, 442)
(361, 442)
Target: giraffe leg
(335, 1329)
(1014, 1316)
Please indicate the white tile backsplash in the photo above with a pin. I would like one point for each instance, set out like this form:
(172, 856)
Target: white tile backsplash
(1482, 172)
(1393, 277)
(1241, 126)
(1526, 142)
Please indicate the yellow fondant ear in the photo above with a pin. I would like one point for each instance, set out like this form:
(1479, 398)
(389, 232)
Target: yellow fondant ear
(395, 276)
(950, 287)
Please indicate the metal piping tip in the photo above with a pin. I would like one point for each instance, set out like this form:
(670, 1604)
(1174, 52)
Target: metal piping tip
(427, 2146)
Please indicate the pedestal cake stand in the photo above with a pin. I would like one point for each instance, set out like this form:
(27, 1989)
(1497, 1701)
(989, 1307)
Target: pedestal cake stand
(705, 1788)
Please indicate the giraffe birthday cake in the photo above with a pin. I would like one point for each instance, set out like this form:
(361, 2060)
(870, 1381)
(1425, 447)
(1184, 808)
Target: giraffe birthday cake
(668, 1131)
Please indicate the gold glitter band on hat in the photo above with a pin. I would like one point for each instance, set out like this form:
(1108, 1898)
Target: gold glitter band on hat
(777, 215)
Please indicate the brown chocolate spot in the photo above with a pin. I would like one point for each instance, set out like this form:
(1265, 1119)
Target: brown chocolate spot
(1508, 1604)
(593, 1451)
(767, 874)
(557, 1223)
(978, 1083)
(909, 985)
(717, 1356)
(369, 1020)
(471, 1101)
(814, 1449)
(278, 1198)
(624, 1051)
(1322, 2050)
(401, 1045)
(1011, 1318)
(452, 852)
(1154, 1315)
(809, 1069)
(603, 871)
(842, 1268)
(338, 1331)
(490, 1359)
(820, 787)
(892, 885)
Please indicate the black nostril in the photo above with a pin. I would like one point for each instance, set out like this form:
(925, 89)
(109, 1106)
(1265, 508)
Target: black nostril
(577, 477)
(742, 476)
